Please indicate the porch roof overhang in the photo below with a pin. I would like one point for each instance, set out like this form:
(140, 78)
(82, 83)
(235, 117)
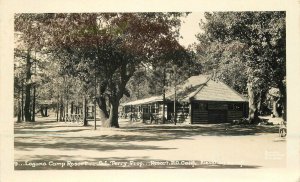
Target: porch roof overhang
(144, 101)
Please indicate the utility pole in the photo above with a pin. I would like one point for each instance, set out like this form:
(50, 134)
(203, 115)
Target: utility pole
(175, 113)
(22, 99)
(164, 96)
(33, 103)
(95, 92)
(57, 108)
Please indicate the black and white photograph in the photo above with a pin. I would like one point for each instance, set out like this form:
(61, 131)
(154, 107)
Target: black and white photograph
(151, 91)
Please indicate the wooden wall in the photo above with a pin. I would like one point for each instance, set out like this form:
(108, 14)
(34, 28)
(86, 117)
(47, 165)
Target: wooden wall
(233, 115)
(217, 112)
(199, 117)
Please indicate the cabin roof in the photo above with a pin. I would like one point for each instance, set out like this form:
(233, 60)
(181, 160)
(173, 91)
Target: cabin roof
(216, 91)
(201, 87)
(143, 101)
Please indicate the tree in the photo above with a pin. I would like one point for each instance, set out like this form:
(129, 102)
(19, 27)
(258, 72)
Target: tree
(225, 59)
(165, 75)
(28, 42)
(18, 93)
(257, 41)
(138, 85)
(112, 46)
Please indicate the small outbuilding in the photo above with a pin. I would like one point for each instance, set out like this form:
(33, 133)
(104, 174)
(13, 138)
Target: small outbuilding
(199, 99)
(143, 108)
(212, 101)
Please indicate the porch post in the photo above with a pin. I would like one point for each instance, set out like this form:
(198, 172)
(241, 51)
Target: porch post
(150, 112)
(190, 112)
(143, 120)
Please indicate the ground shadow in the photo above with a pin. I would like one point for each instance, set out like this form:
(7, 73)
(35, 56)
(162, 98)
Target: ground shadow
(70, 138)
(136, 133)
(82, 143)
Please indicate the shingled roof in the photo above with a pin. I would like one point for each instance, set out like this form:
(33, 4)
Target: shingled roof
(202, 87)
(143, 101)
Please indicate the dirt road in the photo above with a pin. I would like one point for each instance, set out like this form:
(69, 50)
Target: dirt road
(47, 144)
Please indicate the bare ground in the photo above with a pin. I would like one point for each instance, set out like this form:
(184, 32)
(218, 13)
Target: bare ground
(146, 146)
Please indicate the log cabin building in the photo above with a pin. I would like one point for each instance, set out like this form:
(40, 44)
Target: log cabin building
(214, 102)
(200, 99)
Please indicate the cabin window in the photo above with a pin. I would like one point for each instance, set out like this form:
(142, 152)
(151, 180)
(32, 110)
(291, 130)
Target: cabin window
(153, 109)
(146, 110)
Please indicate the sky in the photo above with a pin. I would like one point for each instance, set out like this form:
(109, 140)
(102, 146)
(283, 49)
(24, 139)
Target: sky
(190, 27)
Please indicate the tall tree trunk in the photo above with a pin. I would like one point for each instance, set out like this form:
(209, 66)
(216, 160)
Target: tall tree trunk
(117, 92)
(84, 113)
(101, 101)
(22, 101)
(112, 121)
(57, 110)
(284, 109)
(42, 111)
(19, 108)
(64, 112)
(274, 107)
(175, 111)
(253, 114)
(103, 113)
(46, 111)
(282, 90)
(27, 88)
(72, 107)
(259, 104)
(27, 113)
(261, 107)
(61, 109)
(67, 110)
(33, 104)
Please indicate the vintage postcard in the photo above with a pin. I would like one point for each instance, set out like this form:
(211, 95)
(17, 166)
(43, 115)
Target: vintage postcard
(184, 90)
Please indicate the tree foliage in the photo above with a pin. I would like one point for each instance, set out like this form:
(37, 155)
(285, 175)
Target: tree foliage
(28, 43)
(252, 45)
(107, 49)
